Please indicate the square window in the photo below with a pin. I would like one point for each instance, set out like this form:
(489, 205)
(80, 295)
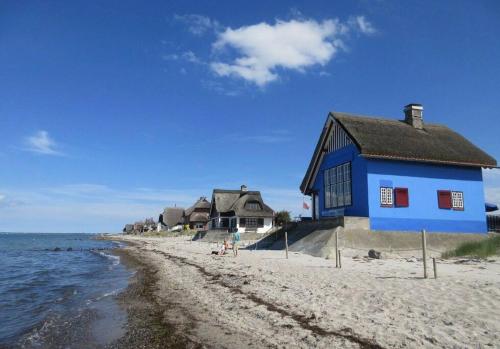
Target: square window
(457, 200)
(386, 197)
(401, 197)
(444, 199)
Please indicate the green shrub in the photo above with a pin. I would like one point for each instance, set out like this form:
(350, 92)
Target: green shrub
(282, 217)
(479, 249)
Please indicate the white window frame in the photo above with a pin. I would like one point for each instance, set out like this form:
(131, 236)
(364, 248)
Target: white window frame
(251, 222)
(386, 197)
(457, 200)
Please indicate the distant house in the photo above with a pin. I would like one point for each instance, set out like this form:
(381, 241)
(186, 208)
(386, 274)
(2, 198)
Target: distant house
(398, 174)
(149, 225)
(242, 209)
(197, 216)
(173, 218)
(128, 229)
(138, 227)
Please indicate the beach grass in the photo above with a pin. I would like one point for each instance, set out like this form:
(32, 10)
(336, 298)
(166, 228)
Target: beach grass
(478, 249)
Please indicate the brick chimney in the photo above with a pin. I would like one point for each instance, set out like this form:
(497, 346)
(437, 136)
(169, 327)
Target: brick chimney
(414, 115)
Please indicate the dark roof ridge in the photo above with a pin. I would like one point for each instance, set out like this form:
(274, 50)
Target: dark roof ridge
(235, 191)
(381, 118)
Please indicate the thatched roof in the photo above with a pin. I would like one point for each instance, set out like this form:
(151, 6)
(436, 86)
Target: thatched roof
(202, 217)
(200, 204)
(173, 216)
(397, 140)
(226, 201)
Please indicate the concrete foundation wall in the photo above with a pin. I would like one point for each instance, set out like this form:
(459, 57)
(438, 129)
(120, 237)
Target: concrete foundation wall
(320, 240)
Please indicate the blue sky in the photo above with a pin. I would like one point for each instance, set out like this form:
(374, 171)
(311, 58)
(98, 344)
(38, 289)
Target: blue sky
(110, 111)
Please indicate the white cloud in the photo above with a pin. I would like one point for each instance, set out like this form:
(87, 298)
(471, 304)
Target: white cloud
(362, 24)
(493, 195)
(263, 48)
(491, 175)
(41, 143)
(197, 24)
(491, 179)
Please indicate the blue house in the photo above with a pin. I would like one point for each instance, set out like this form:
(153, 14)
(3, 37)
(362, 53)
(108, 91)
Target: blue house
(400, 174)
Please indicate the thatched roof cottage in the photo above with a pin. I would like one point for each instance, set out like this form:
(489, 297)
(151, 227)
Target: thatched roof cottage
(242, 209)
(397, 174)
(198, 215)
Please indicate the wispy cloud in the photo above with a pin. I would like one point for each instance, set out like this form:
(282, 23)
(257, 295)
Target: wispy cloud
(262, 49)
(85, 207)
(362, 24)
(197, 24)
(277, 136)
(42, 143)
(289, 199)
(188, 56)
(492, 185)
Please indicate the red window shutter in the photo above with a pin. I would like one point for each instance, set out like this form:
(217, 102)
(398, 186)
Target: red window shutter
(401, 196)
(444, 199)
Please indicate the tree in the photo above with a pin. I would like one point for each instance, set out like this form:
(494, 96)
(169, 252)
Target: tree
(282, 217)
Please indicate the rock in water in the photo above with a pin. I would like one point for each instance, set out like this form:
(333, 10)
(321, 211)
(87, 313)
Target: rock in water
(57, 249)
(374, 254)
(69, 249)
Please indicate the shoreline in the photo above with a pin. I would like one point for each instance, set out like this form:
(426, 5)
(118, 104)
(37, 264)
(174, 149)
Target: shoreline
(260, 299)
(146, 327)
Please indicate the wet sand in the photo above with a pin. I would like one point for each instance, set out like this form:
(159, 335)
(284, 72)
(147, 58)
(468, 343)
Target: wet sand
(146, 327)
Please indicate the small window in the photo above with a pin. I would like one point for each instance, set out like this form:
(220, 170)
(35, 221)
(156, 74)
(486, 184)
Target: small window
(260, 222)
(457, 200)
(386, 197)
(401, 197)
(444, 199)
(242, 222)
(253, 205)
(251, 223)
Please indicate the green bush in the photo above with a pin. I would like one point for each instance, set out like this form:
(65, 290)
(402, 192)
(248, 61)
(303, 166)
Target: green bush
(282, 217)
(479, 249)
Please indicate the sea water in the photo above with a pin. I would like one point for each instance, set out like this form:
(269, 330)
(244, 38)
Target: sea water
(57, 290)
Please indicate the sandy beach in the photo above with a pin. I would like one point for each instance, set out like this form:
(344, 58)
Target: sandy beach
(260, 299)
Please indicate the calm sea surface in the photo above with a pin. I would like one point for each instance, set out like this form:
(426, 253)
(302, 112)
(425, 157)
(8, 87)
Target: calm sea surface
(63, 298)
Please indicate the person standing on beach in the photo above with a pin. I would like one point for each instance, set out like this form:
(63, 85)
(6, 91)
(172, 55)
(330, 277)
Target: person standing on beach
(236, 241)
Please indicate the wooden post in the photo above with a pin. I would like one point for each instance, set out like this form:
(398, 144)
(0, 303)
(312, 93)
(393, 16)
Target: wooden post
(286, 244)
(336, 247)
(435, 268)
(424, 253)
(340, 260)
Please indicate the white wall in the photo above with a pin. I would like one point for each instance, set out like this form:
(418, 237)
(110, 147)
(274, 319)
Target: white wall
(268, 224)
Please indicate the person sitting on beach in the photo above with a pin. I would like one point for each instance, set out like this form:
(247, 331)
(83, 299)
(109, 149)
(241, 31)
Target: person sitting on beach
(236, 240)
(224, 248)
